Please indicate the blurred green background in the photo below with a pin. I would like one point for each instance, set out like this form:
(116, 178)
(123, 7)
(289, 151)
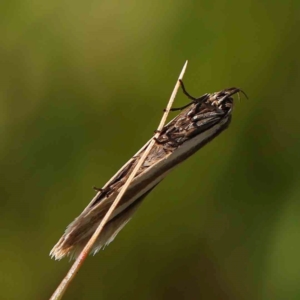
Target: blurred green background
(83, 85)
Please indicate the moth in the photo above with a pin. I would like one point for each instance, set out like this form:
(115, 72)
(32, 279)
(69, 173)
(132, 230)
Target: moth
(197, 123)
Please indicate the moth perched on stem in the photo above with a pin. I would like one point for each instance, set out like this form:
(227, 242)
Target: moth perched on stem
(199, 122)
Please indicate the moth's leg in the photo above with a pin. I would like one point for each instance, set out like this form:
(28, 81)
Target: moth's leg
(182, 107)
(98, 189)
(102, 190)
(188, 95)
(168, 140)
(160, 140)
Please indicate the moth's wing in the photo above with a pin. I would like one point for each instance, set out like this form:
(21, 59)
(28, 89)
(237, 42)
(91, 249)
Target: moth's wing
(117, 175)
(124, 167)
(67, 246)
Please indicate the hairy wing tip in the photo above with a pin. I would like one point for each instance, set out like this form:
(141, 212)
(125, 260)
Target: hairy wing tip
(59, 250)
(58, 253)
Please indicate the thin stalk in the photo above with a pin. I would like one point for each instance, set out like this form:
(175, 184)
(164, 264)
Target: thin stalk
(61, 289)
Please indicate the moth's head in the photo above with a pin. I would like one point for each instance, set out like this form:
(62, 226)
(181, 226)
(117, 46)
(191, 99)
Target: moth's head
(223, 99)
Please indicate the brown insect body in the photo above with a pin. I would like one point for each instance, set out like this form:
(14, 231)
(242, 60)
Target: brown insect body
(200, 122)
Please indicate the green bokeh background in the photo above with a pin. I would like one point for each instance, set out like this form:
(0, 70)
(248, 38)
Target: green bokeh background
(83, 85)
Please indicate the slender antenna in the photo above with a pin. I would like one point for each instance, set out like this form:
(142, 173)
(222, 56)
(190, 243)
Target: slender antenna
(59, 292)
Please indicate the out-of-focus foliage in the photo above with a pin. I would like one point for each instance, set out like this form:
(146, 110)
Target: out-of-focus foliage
(83, 85)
